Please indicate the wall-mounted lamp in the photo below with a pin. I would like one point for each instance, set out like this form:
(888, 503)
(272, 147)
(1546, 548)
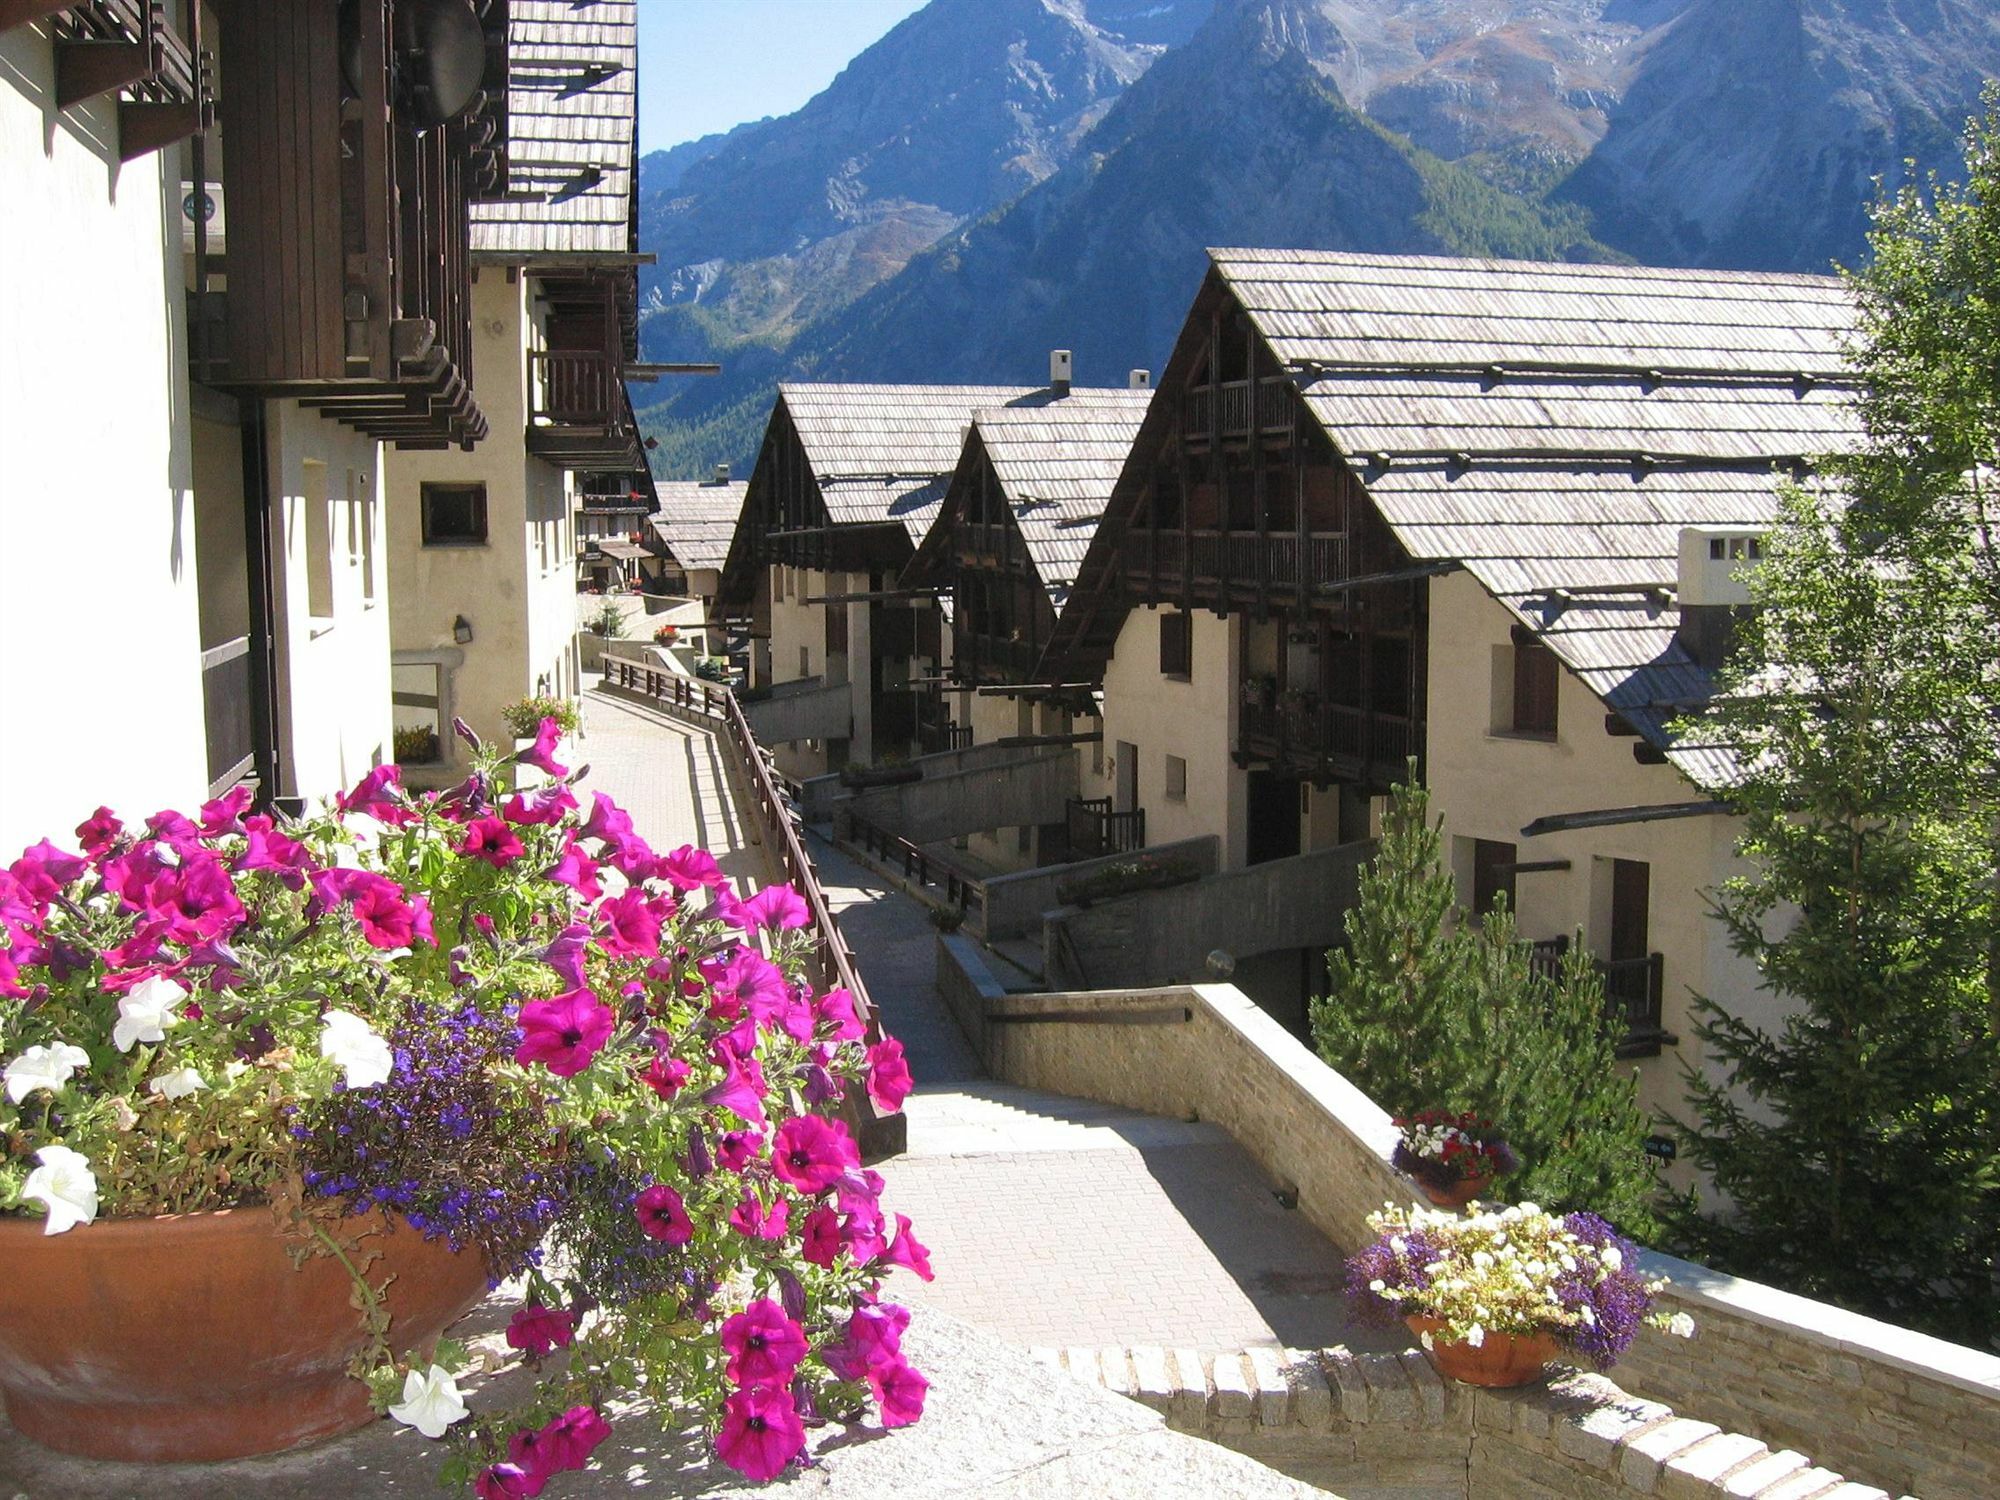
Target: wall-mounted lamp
(461, 630)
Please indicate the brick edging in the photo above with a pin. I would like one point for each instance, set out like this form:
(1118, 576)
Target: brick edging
(1614, 1443)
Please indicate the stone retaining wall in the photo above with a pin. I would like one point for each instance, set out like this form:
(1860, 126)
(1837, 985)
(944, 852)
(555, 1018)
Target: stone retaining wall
(1015, 903)
(1386, 1427)
(1895, 1408)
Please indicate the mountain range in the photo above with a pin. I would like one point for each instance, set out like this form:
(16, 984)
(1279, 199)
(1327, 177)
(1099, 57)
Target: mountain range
(998, 177)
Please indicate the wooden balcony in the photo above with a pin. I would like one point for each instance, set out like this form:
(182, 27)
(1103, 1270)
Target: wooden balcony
(347, 272)
(993, 658)
(577, 413)
(1221, 567)
(1320, 740)
(1222, 412)
(1634, 995)
(1095, 830)
(992, 544)
(163, 80)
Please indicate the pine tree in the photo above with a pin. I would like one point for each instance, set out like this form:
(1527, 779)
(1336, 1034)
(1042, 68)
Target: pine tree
(1855, 1145)
(1401, 1005)
(1428, 1009)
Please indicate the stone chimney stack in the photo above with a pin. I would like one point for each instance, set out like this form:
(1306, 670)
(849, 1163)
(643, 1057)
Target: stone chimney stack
(1711, 590)
(722, 473)
(1140, 380)
(1060, 368)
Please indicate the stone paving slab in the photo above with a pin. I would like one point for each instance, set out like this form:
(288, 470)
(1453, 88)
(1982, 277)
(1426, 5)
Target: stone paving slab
(996, 1424)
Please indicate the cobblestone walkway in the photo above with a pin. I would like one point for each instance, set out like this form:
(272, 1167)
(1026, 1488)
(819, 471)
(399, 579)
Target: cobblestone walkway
(1051, 1221)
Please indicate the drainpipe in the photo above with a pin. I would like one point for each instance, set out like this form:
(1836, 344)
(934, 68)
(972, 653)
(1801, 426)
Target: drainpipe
(262, 585)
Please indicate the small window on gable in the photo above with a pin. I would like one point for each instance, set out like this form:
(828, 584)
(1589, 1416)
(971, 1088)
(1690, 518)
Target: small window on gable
(454, 515)
(1535, 682)
(1176, 644)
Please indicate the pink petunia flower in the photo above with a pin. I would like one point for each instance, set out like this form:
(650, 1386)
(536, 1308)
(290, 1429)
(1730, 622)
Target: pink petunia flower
(570, 1439)
(820, 1235)
(872, 1338)
(737, 1149)
(811, 1154)
(908, 1251)
(742, 1088)
(835, 1009)
(631, 924)
(565, 1033)
(196, 900)
(507, 1481)
(565, 954)
(99, 831)
(665, 1075)
(776, 906)
(764, 1346)
(577, 870)
(752, 1219)
(542, 753)
(379, 795)
(224, 814)
(899, 1391)
(662, 1215)
(607, 821)
(889, 1080)
(490, 839)
(688, 868)
(545, 804)
(761, 1432)
(44, 870)
(268, 850)
(388, 919)
(538, 1330)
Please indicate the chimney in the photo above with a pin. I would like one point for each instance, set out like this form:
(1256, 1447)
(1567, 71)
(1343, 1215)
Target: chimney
(1060, 366)
(722, 473)
(1710, 588)
(1140, 380)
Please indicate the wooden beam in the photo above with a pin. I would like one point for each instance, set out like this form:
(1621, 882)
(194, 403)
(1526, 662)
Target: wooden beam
(145, 127)
(1530, 866)
(1616, 817)
(1038, 741)
(873, 595)
(86, 69)
(24, 12)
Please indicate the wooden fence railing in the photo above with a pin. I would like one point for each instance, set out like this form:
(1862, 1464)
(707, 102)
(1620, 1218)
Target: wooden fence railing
(961, 892)
(831, 963)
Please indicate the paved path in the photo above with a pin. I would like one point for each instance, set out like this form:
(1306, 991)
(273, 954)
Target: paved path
(1051, 1221)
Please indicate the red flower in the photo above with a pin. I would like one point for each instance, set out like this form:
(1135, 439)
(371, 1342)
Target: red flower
(662, 1215)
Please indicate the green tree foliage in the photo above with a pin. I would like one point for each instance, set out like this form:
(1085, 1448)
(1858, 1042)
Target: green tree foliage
(1429, 1009)
(1856, 1144)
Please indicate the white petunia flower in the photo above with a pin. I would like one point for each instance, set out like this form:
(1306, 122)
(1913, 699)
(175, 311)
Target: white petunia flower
(359, 1049)
(1475, 1335)
(146, 1011)
(175, 1085)
(1612, 1257)
(431, 1402)
(65, 1185)
(1681, 1326)
(43, 1068)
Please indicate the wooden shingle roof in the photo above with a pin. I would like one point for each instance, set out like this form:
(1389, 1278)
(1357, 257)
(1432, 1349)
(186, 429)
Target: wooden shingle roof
(572, 128)
(886, 452)
(697, 519)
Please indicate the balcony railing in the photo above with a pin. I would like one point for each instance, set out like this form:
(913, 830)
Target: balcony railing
(1634, 994)
(1233, 562)
(1308, 733)
(1224, 410)
(1095, 830)
(129, 47)
(576, 416)
(228, 710)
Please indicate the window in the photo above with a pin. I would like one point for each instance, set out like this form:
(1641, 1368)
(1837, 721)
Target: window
(1492, 875)
(454, 515)
(1177, 644)
(366, 507)
(1176, 789)
(417, 699)
(1535, 680)
(318, 522)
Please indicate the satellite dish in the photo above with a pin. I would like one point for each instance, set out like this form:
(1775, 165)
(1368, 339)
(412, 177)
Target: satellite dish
(438, 58)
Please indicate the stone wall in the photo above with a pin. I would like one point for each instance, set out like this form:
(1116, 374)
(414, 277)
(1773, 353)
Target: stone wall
(1891, 1407)
(1015, 903)
(1386, 1427)
(1165, 936)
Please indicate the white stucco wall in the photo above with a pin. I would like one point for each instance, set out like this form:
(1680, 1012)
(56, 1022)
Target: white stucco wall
(333, 668)
(1163, 716)
(1488, 785)
(98, 611)
(518, 591)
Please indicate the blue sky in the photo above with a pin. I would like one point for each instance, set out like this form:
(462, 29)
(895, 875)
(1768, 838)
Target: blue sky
(705, 65)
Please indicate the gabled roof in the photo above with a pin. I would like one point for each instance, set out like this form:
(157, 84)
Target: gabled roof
(697, 518)
(1056, 465)
(572, 129)
(886, 452)
(1553, 427)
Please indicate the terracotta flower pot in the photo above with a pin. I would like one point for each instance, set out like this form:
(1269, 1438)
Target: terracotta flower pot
(190, 1338)
(1503, 1360)
(1457, 1194)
